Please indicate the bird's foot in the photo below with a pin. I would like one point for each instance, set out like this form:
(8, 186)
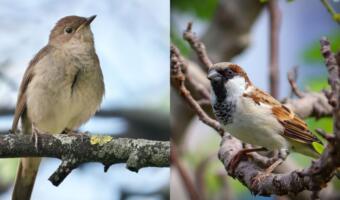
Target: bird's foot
(237, 158)
(262, 175)
(34, 137)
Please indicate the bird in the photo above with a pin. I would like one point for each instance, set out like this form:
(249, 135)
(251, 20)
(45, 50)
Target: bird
(61, 89)
(255, 117)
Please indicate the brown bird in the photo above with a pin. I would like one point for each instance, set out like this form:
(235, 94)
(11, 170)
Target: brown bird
(61, 89)
(254, 116)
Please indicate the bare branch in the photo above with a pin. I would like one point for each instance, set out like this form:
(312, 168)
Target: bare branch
(275, 20)
(197, 46)
(334, 81)
(177, 81)
(312, 178)
(292, 77)
(75, 149)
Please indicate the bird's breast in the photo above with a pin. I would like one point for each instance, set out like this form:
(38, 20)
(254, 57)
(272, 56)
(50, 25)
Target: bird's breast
(255, 124)
(64, 92)
(224, 111)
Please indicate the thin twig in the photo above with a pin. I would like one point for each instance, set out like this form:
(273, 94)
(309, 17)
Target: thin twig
(197, 46)
(177, 81)
(292, 77)
(275, 20)
(330, 9)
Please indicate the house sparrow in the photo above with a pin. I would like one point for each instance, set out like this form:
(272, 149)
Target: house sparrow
(254, 116)
(61, 89)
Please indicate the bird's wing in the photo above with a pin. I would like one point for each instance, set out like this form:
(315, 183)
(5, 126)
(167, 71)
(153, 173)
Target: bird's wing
(29, 73)
(294, 128)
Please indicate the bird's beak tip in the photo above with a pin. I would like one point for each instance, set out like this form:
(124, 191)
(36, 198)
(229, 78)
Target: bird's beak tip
(90, 19)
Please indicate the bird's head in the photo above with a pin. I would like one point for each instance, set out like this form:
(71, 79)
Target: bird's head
(72, 30)
(228, 79)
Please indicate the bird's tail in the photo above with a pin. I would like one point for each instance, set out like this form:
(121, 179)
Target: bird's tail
(24, 182)
(27, 170)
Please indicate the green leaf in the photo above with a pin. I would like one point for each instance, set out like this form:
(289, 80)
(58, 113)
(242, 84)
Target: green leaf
(318, 147)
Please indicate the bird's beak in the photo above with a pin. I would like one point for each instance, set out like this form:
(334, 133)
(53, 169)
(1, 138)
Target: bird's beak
(212, 74)
(90, 19)
(87, 22)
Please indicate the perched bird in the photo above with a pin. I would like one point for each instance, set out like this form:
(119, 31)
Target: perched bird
(61, 89)
(254, 116)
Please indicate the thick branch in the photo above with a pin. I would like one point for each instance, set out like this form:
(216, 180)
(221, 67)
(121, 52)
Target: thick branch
(312, 104)
(312, 178)
(75, 149)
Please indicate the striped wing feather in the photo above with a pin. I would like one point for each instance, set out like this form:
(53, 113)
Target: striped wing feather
(294, 128)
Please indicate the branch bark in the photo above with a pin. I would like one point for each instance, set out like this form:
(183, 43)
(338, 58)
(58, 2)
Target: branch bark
(77, 148)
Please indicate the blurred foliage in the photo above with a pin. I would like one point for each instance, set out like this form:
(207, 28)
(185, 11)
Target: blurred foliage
(312, 53)
(316, 84)
(203, 9)
(8, 168)
(212, 181)
(180, 43)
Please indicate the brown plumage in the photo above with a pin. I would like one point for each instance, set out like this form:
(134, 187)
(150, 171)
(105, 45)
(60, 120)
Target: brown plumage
(57, 92)
(21, 101)
(253, 115)
(294, 127)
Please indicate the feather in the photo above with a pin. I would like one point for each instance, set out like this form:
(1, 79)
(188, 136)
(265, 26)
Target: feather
(29, 74)
(294, 128)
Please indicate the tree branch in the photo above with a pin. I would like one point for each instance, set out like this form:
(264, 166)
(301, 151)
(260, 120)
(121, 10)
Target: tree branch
(177, 81)
(292, 76)
(75, 149)
(275, 19)
(198, 46)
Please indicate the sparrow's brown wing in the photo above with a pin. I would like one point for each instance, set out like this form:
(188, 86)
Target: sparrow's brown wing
(294, 128)
(21, 101)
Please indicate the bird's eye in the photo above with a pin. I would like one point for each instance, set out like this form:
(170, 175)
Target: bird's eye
(68, 30)
(228, 73)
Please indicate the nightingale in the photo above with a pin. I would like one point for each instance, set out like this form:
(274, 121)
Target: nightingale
(61, 89)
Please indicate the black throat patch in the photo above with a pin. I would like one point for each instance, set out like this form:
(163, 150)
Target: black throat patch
(223, 108)
(224, 111)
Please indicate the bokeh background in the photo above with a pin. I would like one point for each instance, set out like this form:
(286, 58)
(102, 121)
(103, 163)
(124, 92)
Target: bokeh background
(238, 31)
(132, 42)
